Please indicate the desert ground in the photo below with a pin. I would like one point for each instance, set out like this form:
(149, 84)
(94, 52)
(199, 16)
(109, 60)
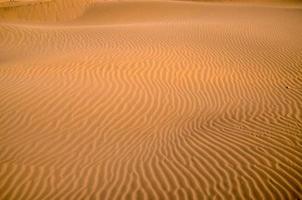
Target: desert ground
(150, 100)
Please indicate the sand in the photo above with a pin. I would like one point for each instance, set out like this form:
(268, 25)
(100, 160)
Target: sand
(150, 100)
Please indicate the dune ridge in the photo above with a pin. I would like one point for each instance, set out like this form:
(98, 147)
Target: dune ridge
(42, 10)
(151, 100)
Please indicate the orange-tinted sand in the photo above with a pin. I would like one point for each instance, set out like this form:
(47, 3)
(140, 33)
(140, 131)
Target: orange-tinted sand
(150, 100)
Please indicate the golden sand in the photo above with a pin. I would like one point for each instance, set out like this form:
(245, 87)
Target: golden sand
(150, 100)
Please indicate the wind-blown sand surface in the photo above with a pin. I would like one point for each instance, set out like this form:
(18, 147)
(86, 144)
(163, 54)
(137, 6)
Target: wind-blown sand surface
(150, 100)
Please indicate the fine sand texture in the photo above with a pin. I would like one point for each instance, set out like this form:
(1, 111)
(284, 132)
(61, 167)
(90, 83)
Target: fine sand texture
(150, 100)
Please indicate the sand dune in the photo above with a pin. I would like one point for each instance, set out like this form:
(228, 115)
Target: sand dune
(42, 10)
(150, 100)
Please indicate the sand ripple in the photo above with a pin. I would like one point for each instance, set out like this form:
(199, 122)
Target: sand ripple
(176, 100)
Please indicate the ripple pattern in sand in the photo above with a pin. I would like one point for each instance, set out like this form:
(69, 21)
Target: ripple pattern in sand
(201, 108)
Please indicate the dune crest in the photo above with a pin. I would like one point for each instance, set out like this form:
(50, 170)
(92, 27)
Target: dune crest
(43, 10)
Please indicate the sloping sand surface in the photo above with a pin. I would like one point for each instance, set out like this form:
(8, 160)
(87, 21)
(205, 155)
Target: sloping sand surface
(150, 100)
